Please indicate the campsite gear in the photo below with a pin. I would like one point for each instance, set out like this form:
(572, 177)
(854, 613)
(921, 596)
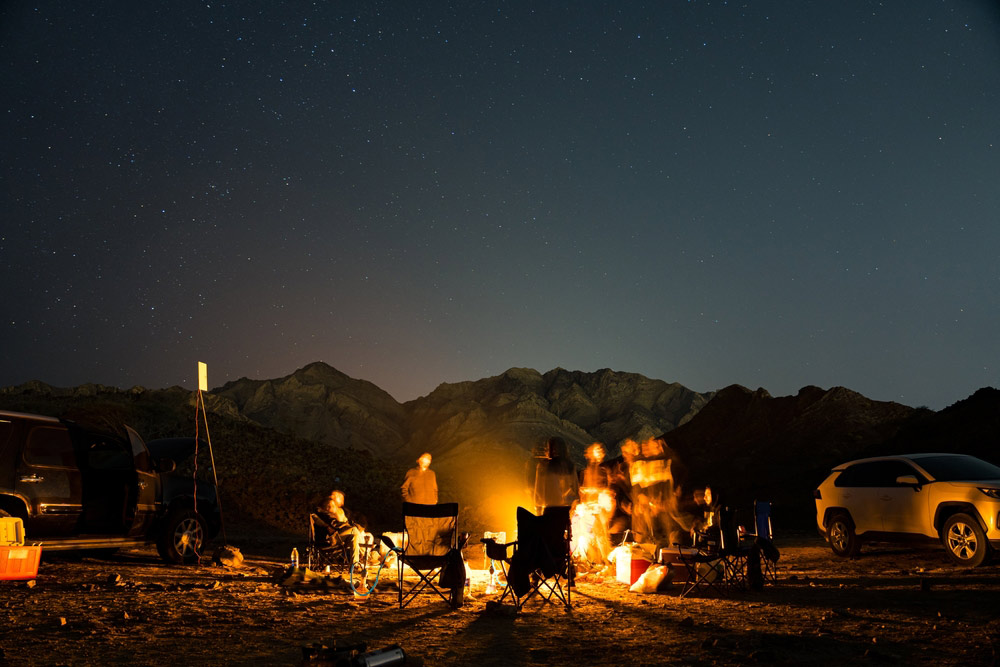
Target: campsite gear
(655, 578)
(431, 544)
(392, 655)
(540, 564)
(630, 560)
(673, 558)
(295, 557)
(17, 561)
(11, 531)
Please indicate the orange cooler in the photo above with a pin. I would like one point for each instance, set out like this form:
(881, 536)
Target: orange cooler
(19, 562)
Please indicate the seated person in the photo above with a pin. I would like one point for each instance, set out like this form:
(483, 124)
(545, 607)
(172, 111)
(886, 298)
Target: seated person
(334, 519)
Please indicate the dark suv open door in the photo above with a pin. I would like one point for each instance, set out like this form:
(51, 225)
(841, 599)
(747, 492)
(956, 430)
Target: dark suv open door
(147, 491)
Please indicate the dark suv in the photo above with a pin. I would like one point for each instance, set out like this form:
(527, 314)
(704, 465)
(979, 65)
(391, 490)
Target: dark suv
(76, 488)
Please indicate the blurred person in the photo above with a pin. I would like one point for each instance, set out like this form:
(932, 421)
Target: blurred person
(592, 514)
(556, 481)
(420, 484)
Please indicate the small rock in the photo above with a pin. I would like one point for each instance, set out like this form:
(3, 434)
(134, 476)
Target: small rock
(114, 579)
(228, 556)
(30, 583)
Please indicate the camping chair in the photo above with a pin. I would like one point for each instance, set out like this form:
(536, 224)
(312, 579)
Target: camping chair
(704, 570)
(431, 542)
(765, 538)
(326, 548)
(501, 553)
(722, 569)
(540, 564)
(734, 552)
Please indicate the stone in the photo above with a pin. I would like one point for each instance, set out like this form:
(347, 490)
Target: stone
(228, 556)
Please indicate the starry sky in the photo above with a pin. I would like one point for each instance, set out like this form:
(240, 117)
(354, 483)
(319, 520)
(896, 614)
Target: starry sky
(769, 193)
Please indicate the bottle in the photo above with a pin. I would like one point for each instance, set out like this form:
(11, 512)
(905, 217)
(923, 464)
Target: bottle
(295, 557)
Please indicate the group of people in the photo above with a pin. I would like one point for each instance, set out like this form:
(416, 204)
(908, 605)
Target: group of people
(419, 486)
(638, 494)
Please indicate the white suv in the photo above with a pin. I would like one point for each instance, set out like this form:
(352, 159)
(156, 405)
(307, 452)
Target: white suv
(948, 497)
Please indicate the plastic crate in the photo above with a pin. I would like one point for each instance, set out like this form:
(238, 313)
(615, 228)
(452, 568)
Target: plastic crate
(11, 531)
(20, 562)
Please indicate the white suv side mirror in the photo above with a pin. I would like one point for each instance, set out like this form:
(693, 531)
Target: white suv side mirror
(909, 480)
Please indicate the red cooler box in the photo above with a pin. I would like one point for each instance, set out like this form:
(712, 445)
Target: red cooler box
(19, 562)
(630, 564)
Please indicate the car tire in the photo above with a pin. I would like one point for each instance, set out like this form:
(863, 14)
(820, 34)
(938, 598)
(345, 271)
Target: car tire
(964, 541)
(182, 538)
(841, 536)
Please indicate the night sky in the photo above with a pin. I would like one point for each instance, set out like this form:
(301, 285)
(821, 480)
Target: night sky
(775, 194)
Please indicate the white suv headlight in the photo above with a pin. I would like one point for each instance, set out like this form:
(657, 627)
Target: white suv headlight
(992, 493)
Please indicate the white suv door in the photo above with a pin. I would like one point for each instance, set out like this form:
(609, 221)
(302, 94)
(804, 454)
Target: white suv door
(904, 507)
(856, 491)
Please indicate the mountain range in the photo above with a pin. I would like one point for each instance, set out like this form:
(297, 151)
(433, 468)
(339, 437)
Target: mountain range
(322, 428)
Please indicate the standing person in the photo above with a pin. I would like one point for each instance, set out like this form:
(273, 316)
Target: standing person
(556, 480)
(420, 485)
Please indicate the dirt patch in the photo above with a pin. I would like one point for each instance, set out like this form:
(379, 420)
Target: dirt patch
(893, 605)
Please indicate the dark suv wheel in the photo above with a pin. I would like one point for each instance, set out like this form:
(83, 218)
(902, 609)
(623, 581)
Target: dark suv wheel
(964, 540)
(841, 536)
(182, 539)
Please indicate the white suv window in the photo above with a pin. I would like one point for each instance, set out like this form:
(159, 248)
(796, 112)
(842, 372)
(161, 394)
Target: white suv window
(875, 474)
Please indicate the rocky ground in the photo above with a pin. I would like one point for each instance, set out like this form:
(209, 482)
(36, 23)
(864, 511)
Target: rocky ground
(893, 605)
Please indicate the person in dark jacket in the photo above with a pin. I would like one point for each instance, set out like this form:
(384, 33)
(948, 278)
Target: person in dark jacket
(556, 480)
(420, 484)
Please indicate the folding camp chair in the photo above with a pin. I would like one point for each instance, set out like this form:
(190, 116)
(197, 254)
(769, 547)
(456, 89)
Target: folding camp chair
(719, 570)
(540, 564)
(432, 540)
(704, 570)
(326, 548)
(735, 553)
(498, 553)
(765, 538)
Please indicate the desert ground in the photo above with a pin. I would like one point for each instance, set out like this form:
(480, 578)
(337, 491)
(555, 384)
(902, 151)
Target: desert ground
(894, 605)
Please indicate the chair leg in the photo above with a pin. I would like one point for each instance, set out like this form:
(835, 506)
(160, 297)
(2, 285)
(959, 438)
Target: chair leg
(399, 579)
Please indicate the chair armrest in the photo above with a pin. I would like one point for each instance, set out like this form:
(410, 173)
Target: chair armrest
(496, 551)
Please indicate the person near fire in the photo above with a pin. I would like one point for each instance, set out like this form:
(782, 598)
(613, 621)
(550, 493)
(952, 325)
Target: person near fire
(592, 515)
(336, 520)
(556, 481)
(420, 485)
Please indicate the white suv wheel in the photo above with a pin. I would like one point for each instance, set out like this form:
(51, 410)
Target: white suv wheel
(964, 540)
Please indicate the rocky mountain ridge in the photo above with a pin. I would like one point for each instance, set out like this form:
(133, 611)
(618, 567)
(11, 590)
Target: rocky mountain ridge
(745, 443)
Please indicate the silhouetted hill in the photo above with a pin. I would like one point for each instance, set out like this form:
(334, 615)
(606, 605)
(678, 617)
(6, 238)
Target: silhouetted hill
(749, 445)
(280, 443)
(320, 403)
(971, 426)
(483, 434)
